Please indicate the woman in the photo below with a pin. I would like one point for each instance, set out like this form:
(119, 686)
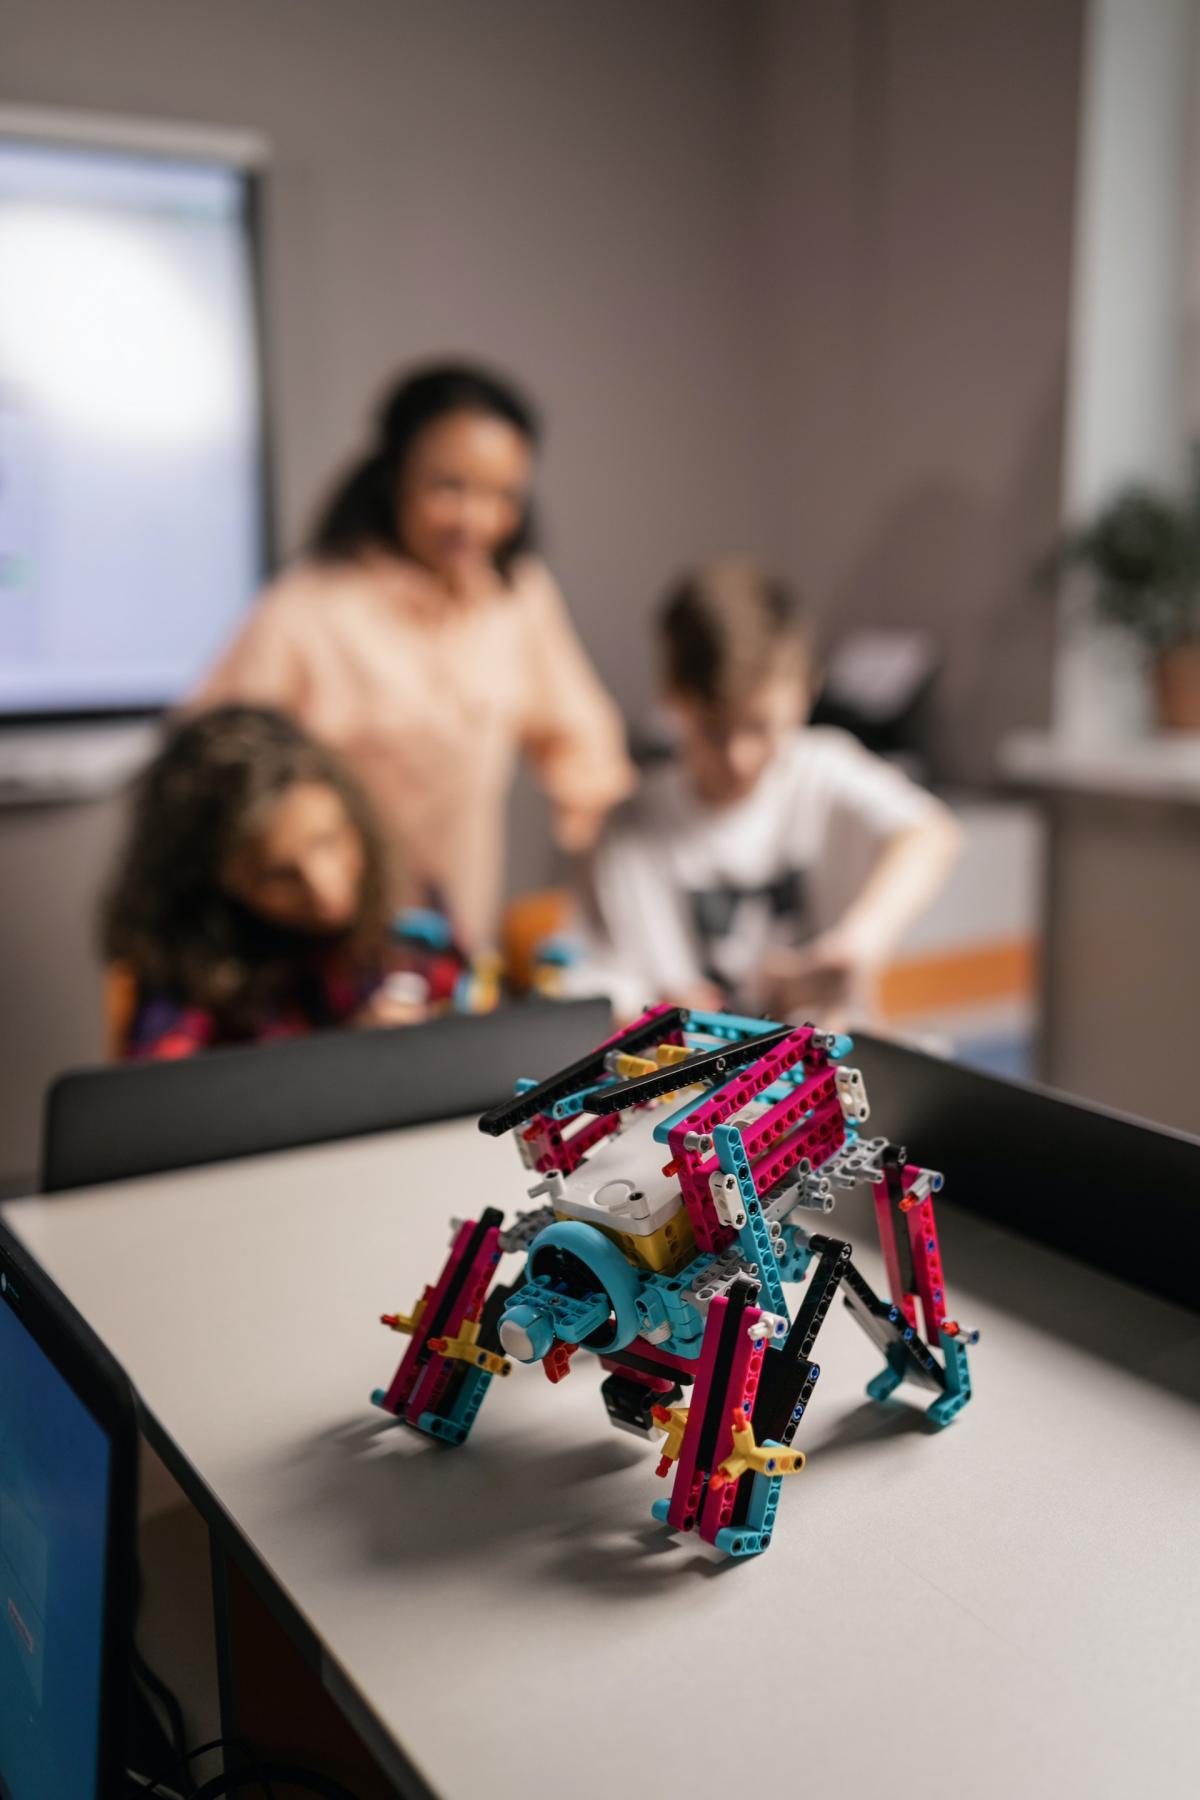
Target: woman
(424, 641)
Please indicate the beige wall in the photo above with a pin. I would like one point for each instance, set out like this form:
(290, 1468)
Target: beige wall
(918, 194)
(784, 276)
(559, 188)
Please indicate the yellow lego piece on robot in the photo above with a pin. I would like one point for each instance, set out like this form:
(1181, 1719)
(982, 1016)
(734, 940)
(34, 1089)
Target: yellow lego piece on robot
(749, 1457)
(408, 1322)
(465, 1348)
(671, 1420)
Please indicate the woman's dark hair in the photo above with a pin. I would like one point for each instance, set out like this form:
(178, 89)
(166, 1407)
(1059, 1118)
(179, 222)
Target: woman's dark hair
(361, 512)
(166, 916)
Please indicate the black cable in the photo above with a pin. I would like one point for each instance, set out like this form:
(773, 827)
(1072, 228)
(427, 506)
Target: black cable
(138, 1785)
(324, 1785)
(177, 1731)
(217, 1743)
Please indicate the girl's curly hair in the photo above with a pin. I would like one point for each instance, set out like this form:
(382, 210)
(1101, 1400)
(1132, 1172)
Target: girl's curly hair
(166, 915)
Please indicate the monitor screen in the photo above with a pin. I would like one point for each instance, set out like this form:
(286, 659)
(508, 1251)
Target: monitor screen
(131, 467)
(54, 1498)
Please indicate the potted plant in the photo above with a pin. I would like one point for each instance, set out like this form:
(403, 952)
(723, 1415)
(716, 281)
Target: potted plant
(1142, 551)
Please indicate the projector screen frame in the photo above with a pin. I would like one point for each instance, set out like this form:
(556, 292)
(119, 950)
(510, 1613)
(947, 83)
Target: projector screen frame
(246, 152)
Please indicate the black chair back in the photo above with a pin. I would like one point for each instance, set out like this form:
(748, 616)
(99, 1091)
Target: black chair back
(134, 1118)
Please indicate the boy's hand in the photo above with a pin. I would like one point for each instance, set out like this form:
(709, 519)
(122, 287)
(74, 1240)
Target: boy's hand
(819, 980)
(700, 996)
(576, 828)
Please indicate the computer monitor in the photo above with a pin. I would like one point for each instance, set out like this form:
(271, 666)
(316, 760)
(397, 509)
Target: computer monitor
(68, 1481)
(133, 517)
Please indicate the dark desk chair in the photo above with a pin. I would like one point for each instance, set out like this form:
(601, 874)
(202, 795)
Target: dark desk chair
(112, 1123)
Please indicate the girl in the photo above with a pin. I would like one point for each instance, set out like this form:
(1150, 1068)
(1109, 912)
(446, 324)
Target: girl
(250, 902)
(423, 639)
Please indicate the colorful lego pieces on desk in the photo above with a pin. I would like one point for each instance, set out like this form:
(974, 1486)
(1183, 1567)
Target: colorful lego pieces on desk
(673, 1275)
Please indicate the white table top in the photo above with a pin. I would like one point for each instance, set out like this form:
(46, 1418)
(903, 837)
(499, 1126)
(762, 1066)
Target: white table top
(1008, 1608)
(1163, 767)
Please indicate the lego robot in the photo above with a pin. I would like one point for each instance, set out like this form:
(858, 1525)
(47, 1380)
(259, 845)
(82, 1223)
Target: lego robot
(681, 1169)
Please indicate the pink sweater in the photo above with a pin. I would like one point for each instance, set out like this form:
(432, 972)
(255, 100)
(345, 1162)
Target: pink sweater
(429, 698)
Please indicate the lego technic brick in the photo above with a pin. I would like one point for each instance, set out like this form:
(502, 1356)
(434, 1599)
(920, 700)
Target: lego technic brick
(893, 1232)
(738, 1311)
(754, 1238)
(750, 1530)
(492, 1312)
(727, 1318)
(958, 1380)
(474, 1253)
(548, 1148)
(729, 1026)
(814, 1141)
(630, 1403)
(716, 1275)
(886, 1326)
(706, 1065)
(622, 1185)
(651, 1028)
(788, 1377)
(653, 1363)
(789, 1113)
(741, 1388)
(808, 1190)
(461, 1295)
(666, 1318)
(459, 1408)
(925, 1256)
(690, 1134)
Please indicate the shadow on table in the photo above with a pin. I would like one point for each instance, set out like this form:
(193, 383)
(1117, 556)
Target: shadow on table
(518, 1492)
(414, 1507)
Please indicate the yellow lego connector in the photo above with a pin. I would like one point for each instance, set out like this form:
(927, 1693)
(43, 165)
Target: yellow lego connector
(672, 1420)
(405, 1321)
(750, 1457)
(465, 1348)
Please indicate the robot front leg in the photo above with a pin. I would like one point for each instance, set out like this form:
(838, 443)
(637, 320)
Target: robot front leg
(446, 1370)
(726, 1483)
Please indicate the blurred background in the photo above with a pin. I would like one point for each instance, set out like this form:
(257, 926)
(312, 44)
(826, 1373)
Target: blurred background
(893, 294)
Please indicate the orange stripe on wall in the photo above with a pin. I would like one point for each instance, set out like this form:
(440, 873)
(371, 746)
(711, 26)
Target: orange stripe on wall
(1004, 971)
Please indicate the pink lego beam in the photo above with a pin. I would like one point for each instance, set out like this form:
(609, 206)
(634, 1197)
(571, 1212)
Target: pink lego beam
(553, 1150)
(717, 1506)
(687, 1491)
(891, 1255)
(927, 1260)
(819, 1090)
(694, 1170)
(816, 1139)
(417, 1384)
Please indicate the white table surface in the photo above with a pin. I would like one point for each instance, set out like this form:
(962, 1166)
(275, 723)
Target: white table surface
(1165, 766)
(1009, 1607)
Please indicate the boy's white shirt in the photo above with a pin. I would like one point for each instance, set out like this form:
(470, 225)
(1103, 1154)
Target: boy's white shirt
(824, 808)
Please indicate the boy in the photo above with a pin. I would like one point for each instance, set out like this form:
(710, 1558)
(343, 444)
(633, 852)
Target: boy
(773, 866)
